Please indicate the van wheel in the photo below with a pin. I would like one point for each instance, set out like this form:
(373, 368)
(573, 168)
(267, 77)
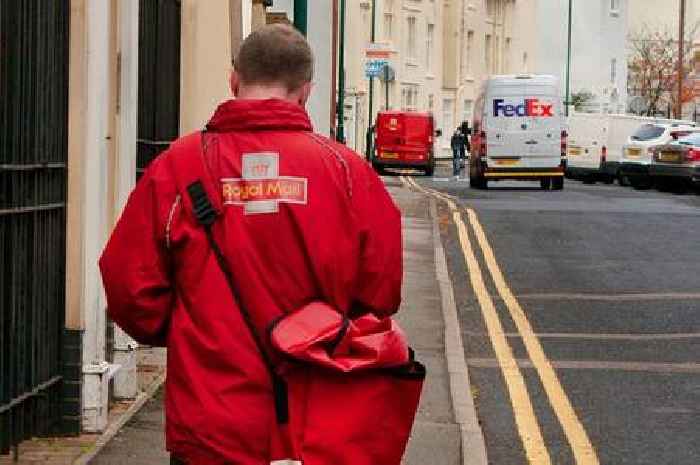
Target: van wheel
(546, 183)
(558, 184)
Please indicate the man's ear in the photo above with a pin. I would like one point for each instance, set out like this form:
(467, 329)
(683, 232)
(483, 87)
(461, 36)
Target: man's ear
(304, 93)
(235, 82)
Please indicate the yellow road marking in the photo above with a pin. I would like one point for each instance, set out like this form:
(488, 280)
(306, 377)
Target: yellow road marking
(581, 445)
(525, 418)
(573, 429)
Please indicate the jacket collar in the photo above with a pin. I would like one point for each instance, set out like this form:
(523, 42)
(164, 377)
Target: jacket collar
(259, 115)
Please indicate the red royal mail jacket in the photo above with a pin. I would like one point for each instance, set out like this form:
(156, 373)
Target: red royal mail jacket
(320, 226)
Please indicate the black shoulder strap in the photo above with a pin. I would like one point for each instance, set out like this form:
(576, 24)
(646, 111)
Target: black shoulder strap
(206, 216)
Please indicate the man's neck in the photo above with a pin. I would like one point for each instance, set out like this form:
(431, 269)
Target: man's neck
(264, 93)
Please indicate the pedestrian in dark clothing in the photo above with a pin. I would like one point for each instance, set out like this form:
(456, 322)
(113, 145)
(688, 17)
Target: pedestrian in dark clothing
(466, 146)
(457, 145)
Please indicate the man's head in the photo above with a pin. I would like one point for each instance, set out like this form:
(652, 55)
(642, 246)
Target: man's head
(274, 62)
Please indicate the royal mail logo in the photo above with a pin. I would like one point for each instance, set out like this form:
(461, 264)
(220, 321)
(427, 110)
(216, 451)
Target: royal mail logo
(530, 107)
(282, 189)
(261, 189)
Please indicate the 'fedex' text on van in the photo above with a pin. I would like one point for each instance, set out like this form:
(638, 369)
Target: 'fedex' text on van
(530, 107)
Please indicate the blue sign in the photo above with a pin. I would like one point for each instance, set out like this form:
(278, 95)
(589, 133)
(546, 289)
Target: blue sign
(374, 67)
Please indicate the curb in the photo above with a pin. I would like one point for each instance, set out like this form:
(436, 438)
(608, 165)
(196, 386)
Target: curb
(473, 444)
(118, 424)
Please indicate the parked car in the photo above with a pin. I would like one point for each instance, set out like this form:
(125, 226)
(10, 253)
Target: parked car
(518, 132)
(404, 140)
(636, 154)
(677, 162)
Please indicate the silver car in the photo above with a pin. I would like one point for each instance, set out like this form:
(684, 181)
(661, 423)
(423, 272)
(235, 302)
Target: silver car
(677, 163)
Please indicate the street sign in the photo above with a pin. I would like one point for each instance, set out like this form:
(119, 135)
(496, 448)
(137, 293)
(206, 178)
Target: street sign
(387, 74)
(373, 68)
(376, 58)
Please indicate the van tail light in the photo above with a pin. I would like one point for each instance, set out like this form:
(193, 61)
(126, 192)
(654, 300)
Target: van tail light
(482, 144)
(564, 143)
(693, 155)
(604, 154)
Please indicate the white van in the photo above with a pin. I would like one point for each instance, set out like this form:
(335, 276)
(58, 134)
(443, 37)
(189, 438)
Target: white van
(620, 127)
(587, 149)
(517, 132)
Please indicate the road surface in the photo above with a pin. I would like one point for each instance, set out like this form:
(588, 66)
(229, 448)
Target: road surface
(588, 349)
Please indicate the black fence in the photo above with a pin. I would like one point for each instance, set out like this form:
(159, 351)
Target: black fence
(33, 155)
(159, 78)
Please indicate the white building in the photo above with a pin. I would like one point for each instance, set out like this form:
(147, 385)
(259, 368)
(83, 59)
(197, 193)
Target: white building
(663, 16)
(598, 48)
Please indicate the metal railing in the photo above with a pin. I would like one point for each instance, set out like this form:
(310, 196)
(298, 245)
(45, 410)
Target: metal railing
(33, 156)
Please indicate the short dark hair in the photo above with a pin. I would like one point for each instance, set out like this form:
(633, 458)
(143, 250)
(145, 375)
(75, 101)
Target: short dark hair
(275, 54)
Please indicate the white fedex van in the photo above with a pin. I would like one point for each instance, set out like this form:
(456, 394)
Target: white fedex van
(518, 132)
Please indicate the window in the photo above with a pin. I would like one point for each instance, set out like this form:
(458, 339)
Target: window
(448, 111)
(648, 132)
(613, 70)
(614, 5)
(491, 8)
(388, 26)
(488, 51)
(409, 97)
(388, 20)
(468, 52)
(411, 33)
(506, 59)
(460, 47)
(497, 56)
(468, 108)
(525, 70)
(429, 39)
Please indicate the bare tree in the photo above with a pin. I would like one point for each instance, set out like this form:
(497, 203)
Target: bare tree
(653, 69)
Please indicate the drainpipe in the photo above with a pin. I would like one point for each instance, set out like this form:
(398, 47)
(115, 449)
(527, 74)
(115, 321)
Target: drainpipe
(369, 143)
(340, 134)
(568, 65)
(301, 13)
(681, 51)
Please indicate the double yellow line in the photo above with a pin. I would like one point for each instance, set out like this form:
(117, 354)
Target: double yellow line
(525, 418)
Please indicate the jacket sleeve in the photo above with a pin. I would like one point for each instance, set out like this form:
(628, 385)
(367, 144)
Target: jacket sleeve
(381, 261)
(134, 265)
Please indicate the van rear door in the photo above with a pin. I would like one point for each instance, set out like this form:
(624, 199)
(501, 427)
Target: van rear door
(524, 125)
(503, 125)
(417, 136)
(544, 126)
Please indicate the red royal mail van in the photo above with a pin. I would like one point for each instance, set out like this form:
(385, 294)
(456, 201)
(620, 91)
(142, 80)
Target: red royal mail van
(404, 140)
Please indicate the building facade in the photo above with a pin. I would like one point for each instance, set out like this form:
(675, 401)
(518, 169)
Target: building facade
(128, 77)
(598, 49)
(441, 53)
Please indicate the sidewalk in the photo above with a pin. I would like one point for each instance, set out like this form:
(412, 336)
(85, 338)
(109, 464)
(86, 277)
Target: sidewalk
(441, 431)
